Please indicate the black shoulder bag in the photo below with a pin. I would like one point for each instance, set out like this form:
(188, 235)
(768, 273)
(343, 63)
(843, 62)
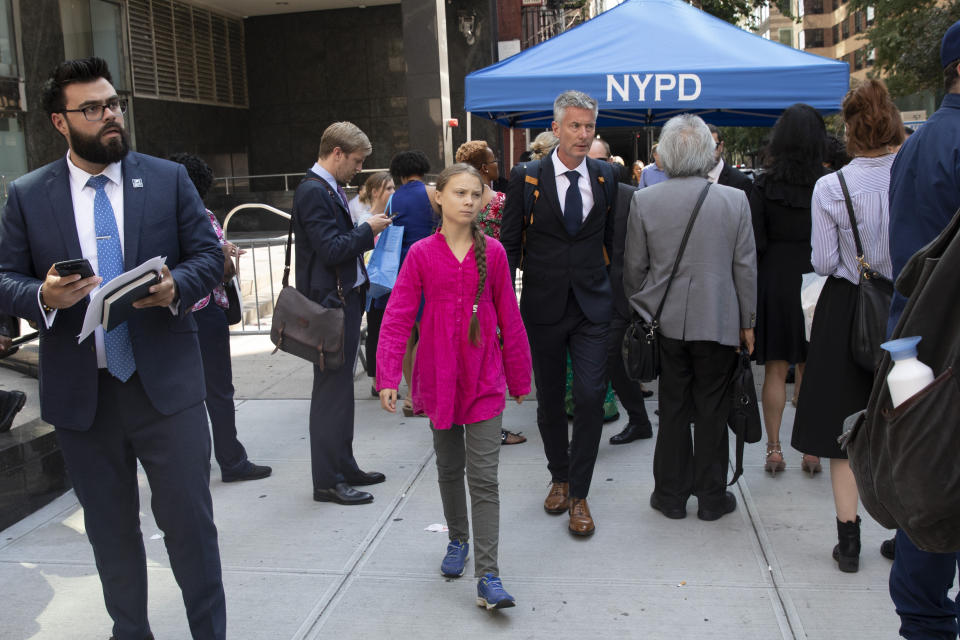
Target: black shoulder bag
(873, 302)
(641, 348)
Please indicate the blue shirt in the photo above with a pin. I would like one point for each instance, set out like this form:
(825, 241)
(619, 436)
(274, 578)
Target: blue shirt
(651, 175)
(924, 189)
(413, 212)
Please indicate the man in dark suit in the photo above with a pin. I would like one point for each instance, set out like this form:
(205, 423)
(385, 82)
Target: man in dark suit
(723, 173)
(135, 392)
(563, 246)
(630, 393)
(330, 271)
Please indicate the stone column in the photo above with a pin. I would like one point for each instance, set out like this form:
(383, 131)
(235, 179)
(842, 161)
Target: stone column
(428, 82)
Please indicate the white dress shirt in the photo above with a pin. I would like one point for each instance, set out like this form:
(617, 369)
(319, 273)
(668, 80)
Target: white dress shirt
(563, 183)
(714, 174)
(82, 197)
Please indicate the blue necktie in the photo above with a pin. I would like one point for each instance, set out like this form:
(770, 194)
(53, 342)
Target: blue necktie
(573, 204)
(343, 197)
(116, 343)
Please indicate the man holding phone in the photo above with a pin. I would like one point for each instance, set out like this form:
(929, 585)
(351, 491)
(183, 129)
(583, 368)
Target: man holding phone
(135, 392)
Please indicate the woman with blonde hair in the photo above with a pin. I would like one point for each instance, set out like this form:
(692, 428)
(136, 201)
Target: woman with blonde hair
(372, 197)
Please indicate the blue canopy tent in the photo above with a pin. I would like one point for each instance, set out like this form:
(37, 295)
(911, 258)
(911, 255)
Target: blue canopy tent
(645, 61)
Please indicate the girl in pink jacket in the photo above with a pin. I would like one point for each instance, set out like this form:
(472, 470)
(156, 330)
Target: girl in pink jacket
(461, 373)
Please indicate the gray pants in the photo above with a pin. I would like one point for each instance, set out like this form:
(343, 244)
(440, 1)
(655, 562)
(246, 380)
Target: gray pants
(476, 448)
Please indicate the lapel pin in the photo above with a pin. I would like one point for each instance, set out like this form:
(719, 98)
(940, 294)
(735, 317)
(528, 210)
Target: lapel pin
(137, 183)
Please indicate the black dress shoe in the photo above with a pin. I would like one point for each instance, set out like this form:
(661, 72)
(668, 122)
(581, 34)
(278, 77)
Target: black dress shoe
(9, 407)
(647, 393)
(364, 479)
(342, 493)
(633, 431)
(674, 512)
(727, 504)
(250, 472)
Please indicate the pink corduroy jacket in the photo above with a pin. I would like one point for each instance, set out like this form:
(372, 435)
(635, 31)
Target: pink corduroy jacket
(455, 382)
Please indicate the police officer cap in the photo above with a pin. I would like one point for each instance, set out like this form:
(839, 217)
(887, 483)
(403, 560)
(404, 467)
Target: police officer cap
(950, 46)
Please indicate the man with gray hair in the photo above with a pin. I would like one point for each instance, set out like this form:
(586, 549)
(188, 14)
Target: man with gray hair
(708, 314)
(330, 261)
(558, 228)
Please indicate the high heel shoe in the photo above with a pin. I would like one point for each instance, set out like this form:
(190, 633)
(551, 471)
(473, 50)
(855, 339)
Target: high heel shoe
(774, 462)
(810, 464)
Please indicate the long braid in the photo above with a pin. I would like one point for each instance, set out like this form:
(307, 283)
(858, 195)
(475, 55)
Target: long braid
(480, 255)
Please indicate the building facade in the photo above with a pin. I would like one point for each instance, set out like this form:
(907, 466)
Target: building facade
(250, 85)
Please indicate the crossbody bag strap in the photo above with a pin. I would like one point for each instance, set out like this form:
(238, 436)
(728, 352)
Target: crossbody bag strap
(853, 217)
(286, 262)
(683, 245)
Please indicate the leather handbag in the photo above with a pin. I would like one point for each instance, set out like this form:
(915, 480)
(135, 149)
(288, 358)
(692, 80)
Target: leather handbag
(641, 347)
(234, 311)
(874, 293)
(305, 328)
(744, 418)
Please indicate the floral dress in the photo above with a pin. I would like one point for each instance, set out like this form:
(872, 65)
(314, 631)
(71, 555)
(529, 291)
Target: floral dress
(492, 215)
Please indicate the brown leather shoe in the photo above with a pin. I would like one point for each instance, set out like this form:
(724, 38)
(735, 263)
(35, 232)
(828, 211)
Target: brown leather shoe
(581, 523)
(556, 502)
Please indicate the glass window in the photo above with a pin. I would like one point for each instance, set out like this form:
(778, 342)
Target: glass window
(836, 34)
(845, 27)
(786, 37)
(13, 152)
(858, 22)
(9, 66)
(95, 28)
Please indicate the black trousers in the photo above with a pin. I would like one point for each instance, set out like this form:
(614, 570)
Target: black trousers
(629, 392)
(374, 320)
(175, 454)
(214, 336)
(587, 342)
(694, 382)
(331, 408)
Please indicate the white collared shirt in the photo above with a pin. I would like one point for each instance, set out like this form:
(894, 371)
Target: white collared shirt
(714, 174)
(82, 197)
(328, 177)
(563, 183)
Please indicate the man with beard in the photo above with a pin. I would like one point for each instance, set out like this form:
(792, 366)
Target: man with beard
(135, 392)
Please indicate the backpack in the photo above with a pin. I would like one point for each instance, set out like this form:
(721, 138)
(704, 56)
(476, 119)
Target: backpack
(905, 459)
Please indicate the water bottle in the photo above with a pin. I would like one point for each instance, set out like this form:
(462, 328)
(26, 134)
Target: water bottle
(908, 375)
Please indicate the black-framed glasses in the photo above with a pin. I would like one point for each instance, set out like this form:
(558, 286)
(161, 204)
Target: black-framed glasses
(95, 112)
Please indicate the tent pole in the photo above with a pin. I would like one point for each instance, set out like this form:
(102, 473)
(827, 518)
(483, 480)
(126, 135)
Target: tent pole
(468, 127)
(511, 149)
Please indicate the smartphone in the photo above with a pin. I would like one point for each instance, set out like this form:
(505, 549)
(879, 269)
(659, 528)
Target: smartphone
(70, 267)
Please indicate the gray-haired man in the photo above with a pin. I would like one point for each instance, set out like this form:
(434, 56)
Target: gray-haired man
(562, 238)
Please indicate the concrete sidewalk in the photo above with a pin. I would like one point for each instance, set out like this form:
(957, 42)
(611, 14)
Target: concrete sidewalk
(294, 568)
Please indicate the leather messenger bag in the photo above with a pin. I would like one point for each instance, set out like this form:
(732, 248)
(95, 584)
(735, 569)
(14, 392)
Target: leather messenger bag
(305, 328)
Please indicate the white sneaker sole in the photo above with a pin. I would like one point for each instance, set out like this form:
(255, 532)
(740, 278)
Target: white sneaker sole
(503, 604)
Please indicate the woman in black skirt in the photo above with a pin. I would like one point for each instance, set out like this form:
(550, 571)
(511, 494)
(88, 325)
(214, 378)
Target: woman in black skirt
(780, 205)
(836, 386)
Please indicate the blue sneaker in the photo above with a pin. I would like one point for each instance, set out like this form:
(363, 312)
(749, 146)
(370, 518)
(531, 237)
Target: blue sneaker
(456, 559)
(490, 594)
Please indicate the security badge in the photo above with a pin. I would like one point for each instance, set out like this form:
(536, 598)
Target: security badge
(137, 183)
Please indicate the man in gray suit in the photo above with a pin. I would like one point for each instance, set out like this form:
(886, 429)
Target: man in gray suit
(708, 315)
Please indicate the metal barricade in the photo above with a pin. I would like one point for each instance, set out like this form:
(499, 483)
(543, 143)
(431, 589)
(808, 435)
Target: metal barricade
(260, 270)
